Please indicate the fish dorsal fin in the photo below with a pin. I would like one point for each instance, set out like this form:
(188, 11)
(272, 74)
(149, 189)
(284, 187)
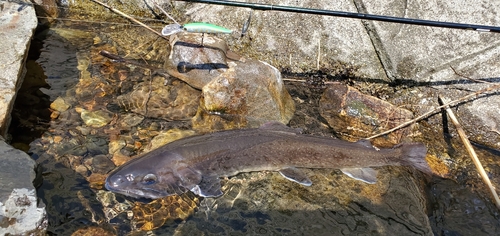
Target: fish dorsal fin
(208, 187)
(295, 175)
(367, 175)
(278, 126)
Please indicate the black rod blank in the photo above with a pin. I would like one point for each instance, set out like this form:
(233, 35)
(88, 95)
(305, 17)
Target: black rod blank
(265, 7)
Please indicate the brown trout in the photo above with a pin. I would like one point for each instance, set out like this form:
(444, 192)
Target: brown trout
(197, 163)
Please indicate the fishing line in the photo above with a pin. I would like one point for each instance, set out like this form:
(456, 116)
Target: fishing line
(410, 21)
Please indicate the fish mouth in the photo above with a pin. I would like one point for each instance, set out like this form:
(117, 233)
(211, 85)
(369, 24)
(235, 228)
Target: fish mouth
(136, 193)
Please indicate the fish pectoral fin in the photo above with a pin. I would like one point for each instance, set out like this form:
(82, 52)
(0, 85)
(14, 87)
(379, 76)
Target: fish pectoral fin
(295, 175)
(367, 175)
(208, 187)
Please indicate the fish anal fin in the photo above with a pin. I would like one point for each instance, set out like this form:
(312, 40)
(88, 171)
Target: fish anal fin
(295, 175)
(278, 126)
(367, 175)
(208, 187)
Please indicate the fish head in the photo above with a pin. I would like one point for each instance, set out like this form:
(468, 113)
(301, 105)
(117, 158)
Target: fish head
(153, 176)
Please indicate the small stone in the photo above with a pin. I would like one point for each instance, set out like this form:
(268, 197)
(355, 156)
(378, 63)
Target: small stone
(97, 40)
(97, 118)
(97, 180)
(54, 115)
(58, 139)
(84, 130)
(120, 159)
(82, 170)
(59, 105)
(116, 145)
(130, 120)
(101, 164)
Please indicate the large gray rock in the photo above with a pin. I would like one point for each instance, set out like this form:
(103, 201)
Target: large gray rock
(20, 213)
(17, 23)
(248, 94)
(236, 91)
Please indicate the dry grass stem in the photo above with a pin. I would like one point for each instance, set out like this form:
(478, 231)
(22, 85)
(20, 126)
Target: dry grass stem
(471, 152)
(164, 12)
(305, 81)
(437, 109)
(129, 17)
(319, 54)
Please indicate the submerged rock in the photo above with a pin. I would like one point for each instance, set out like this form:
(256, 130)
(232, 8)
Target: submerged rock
(155, 99)
(95, 119)
(60, 105)
(357, 116)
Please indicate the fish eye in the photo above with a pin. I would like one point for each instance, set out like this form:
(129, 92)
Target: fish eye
(149, 179)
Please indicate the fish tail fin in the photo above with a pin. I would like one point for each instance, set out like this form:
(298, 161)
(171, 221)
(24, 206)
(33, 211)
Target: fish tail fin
(413, 154)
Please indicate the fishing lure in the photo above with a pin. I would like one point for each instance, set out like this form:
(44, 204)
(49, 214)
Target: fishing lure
(246, 25)
(195, 27)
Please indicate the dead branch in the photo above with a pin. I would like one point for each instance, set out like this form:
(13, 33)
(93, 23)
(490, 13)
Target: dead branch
(471, 152)
(129, 17)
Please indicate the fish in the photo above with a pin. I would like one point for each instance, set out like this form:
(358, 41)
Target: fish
(197, 163)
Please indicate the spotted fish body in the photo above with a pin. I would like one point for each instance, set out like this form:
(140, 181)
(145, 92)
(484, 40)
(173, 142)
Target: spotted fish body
(197, 163)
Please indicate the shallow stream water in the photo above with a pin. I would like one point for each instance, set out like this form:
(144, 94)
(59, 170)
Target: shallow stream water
(74, 157)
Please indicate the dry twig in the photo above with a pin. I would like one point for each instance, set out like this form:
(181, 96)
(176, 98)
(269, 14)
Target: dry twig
(129, 17)
(164, 12)
(437, 109)
(319, 54)
(471, 151)
(305, 81)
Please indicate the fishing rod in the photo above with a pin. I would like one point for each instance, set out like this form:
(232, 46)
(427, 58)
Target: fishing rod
(265, 7)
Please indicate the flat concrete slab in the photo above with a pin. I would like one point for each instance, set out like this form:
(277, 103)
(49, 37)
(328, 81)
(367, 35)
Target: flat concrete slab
(421, 53)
